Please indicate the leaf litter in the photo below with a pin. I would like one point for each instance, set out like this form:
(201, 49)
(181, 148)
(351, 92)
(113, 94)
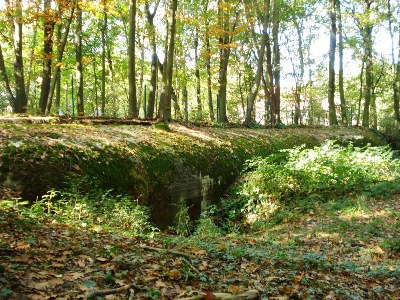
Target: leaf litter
(309, 259)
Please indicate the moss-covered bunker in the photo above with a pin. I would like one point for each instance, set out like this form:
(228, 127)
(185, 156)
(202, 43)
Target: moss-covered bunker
(164, 169)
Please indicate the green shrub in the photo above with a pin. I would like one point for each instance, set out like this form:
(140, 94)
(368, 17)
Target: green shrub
(320, 174)
(97, 208)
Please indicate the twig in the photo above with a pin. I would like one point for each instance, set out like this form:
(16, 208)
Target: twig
(250, 295)
(93, 294)
(117, 290)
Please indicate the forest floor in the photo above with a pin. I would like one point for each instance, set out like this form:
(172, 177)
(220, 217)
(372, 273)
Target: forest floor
(339, 250)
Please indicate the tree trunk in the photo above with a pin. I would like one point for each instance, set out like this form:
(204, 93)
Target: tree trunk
(368, 76)
(277, 65)
(21, 100)
(360, 95)
(154, 60)
(332, 50)
(79, 56)
(103, 62)
(270, 76)
(58, 78)
(343, 104)
(395, 67)
(209, 79)
(396, 84)
(61, 48)
(48, 24)
(256, 84)
(167, 79)
(299, 80)
(4, 77)
(131, 61)
(197, 73)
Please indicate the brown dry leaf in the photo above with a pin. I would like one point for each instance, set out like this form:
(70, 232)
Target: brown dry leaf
(235, 289)
(40, 286)
(23, 258)
(57, 265)
(298, 278)
(37, 296)
(81, 263)
(102, 259)
(73, 276)
(197, 251)
(378, 250)
(174, 274)
(222, 246)
(160, 284)
(271, 278)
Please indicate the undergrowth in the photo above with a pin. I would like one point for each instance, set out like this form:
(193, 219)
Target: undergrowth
(284, 186)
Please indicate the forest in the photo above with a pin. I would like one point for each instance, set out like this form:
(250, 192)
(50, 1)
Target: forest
(199, 150)
(254, 62)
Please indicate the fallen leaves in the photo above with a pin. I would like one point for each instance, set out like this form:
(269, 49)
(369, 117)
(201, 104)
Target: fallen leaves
(47, 260)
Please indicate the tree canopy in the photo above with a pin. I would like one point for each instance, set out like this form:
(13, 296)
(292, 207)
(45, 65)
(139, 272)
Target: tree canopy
(265, 62)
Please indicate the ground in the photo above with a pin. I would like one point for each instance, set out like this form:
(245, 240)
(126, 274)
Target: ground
(337, 251)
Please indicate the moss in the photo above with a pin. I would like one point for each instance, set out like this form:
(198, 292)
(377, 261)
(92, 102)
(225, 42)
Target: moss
(162, 126)
(150, 162)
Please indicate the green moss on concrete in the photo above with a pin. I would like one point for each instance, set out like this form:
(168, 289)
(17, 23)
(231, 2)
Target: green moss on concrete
(144, 162)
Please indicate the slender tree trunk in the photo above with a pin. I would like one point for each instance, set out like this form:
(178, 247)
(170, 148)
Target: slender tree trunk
(4, 77)
(131, 61)
(395, 67)
(367, 35)
(31, 62)
(277, 63)
(209, 77)
(396, 84)
(21, 99)
(343, 104)
(299, 81)
(270, 75)
(267, 100)
(79, 56)
(61, 48)
(332, 51)
(360, 95)
(103, 60)
(49, 24)
(368, 76)
(58, 78)
(256, 84)
(154, 60)
(225, 40)
(197, 73)
(166, 112)
(224, 52)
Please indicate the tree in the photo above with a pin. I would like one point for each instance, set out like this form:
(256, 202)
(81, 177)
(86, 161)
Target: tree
(20, 99)
(343, 104)
(48, 26)
(395, 66)
(167, 75)
(332, 51)
(133, 111)
(227, 26)
(79, 57)
(260, 63)
(154, 59)
(60, 53)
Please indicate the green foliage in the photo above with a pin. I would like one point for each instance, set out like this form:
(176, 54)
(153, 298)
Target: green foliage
(308, 175)
(183, 224)
(97, 208)
(162, 126)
